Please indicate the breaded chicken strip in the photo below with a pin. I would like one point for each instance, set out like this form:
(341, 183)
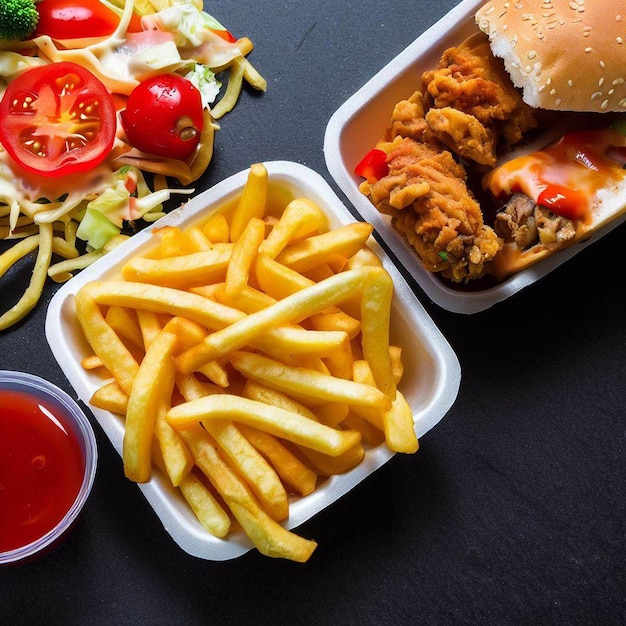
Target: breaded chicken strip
(426, 195)
(472, 81)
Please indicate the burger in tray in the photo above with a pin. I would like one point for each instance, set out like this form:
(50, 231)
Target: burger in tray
(514, 147)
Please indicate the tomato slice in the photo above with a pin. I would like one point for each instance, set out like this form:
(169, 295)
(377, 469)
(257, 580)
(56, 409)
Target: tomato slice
(57, 119)
(72, 19)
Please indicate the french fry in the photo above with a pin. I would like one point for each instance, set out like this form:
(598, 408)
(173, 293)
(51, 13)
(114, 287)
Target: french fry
(153, 382)
(346, 241)
(247, 299)
(370, 435)
(326, 464)
(149, 326)
(269, 537)
(300, 218)
(177, 459)
(252, 467)
(252, 202)
(291, 309)
(244, 252)
(181, 272)
(217, 229)
(105, 342)
(400, 427)
(375, 321)
(331, 466)
(313, 386)
(279, 422)
(160, 299)
(110, 397)
(364, 257)
(124, 324)
(397, 367)
(208, 511)
(91, 362)
(204, 505)
(278, 280)
(335, 319)
(244, 458)
(290, 469)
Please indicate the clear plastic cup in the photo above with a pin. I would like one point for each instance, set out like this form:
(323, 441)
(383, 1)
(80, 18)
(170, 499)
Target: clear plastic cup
(71, 416)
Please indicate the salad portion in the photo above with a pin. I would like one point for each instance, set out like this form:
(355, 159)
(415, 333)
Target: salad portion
(103, 103)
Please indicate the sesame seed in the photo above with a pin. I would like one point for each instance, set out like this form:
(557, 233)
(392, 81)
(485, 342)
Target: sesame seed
(602, 64)
(604, 104)
(557, 101)
(619, 40)
(622, 103)
(490, 10)
(611, 92)
(596, 95)
(601, 82)
(532, 54)
(570, 83)
(552, 92)
(618, 81)
(588, 50)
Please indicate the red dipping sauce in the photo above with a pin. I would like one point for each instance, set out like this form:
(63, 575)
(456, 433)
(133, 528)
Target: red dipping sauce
(42, 467)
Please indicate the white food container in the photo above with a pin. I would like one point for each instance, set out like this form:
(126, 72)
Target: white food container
(430, 383)
(361, 121)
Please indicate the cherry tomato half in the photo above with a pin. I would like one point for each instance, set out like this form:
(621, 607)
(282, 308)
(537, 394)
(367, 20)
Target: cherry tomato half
(57, 119)
(73, 19)
(163, 116)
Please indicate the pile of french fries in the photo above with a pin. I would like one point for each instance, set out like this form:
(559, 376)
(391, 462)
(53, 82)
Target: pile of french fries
(249, 356)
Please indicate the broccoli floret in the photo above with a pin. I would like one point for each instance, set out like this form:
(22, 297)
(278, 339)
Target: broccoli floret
(18, 18)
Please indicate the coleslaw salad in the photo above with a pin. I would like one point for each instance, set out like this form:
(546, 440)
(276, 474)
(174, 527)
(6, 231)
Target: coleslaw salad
(53, 214)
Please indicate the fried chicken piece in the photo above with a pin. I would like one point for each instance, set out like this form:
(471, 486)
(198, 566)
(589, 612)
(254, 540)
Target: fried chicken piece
(471, 80)
(407, 119)
(428, 199)
(464, 134)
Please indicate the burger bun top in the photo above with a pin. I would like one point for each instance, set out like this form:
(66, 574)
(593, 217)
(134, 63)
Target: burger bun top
(565, 55)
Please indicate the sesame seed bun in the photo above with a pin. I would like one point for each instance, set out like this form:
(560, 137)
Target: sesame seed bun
(565, 55)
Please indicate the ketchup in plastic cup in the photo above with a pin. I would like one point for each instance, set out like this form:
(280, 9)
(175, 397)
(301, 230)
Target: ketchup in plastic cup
(48, 460)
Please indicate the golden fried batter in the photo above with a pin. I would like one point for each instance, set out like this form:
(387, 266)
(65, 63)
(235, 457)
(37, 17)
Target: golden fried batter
(426, 195)
(466, 108)
(471, 80)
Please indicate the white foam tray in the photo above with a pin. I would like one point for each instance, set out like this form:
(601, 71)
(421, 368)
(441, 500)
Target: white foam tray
(361, 121)
(430, 383)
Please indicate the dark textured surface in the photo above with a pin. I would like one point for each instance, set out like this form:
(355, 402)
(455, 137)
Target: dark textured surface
(513, 510)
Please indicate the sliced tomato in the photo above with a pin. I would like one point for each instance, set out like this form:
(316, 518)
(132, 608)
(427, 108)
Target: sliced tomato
(73, 19)
(57, 119)
(226, 35)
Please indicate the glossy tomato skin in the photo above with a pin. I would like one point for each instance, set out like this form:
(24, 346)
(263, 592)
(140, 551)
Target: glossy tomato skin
(163, 116)
(57, 119)
(72, 19)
